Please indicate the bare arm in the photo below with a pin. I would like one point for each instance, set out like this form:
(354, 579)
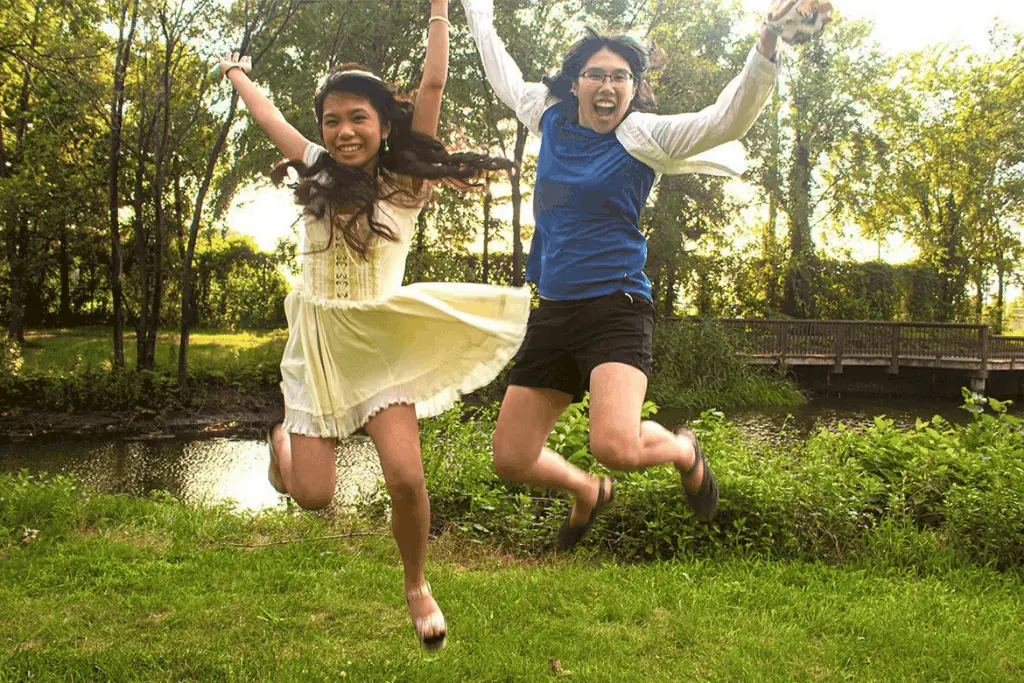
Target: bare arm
(291, 142)
(427, 111)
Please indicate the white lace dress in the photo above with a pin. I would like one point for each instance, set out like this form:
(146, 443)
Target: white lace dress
(358, 341)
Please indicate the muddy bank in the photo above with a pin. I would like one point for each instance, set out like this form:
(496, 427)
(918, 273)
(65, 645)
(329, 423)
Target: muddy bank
(223, 411)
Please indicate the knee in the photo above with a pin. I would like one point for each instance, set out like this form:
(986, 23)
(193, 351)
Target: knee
(615, 450)
(313, 498)
(406, 486)
(508, 462)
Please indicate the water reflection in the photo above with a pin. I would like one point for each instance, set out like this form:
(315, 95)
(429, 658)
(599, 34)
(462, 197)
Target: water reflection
(212, 471)
(800, 422)
(209, 471)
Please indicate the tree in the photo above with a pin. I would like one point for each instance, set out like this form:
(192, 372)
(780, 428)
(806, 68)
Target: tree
(823, 118)
(125, 38)
(267, 19)
(955, 186)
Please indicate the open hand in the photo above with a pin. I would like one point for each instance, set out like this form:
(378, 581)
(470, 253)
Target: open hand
(230, 59)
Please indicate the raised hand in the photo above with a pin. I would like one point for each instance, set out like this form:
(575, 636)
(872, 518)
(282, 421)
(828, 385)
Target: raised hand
(797, 21)
(230, 60)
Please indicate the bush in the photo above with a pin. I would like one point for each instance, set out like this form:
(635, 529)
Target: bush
(938, 494)
(92, 388)
(10, 362)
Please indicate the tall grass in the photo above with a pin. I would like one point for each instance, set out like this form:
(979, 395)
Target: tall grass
(695, 368)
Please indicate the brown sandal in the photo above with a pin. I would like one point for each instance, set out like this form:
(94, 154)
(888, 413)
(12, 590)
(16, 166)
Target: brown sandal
(704, 501)
(568, 535)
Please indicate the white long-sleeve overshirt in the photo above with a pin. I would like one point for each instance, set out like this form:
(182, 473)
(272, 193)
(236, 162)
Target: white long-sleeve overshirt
(693, 142)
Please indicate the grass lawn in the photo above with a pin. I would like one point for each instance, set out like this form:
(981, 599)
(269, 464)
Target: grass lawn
(56, 351)
(123, 589)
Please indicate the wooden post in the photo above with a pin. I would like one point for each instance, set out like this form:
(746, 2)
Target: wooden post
(840, 338)
(983, 370)
(894, 348)
(783, 342)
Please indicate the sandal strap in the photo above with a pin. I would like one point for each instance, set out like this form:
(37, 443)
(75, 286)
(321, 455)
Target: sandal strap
(418, 593)
(698, 454)
(600, 501)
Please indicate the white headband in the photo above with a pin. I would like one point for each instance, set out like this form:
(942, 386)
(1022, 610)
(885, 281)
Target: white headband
(358, 73)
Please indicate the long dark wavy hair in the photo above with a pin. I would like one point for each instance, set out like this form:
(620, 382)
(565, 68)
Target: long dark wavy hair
(638, 58)
(328, 187)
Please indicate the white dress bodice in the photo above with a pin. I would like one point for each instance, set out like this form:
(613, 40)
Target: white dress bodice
(339, 272)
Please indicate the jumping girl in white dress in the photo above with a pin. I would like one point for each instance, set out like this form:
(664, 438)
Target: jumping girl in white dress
(364, 351)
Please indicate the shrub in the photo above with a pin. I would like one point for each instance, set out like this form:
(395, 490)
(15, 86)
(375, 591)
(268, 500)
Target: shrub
(938, 493)
(10, 362)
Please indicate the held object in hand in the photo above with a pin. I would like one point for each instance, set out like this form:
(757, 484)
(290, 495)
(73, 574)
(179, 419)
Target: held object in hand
(797, 21)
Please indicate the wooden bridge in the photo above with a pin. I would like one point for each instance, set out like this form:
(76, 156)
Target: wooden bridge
(844, 343)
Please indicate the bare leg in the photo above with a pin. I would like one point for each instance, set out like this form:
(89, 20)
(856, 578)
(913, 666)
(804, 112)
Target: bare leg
(396, 435)
(619, 439)
(527, 416)
(307, 467)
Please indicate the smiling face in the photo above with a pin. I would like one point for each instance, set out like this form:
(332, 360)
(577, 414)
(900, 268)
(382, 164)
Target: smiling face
(603, 105)
(352, 130)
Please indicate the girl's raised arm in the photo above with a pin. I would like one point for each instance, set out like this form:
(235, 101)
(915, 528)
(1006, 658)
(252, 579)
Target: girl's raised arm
(427, 109)
(291, 142)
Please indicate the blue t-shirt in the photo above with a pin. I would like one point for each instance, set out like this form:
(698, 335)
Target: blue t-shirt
(587, 205)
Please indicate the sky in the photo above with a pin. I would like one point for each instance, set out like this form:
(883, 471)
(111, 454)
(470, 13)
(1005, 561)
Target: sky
(902, 25)
(268, 214)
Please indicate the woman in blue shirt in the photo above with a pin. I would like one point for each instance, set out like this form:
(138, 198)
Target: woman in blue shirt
(600, 157)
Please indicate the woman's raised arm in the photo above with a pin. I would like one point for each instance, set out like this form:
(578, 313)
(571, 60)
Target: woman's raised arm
(290, 141)
(427, 111)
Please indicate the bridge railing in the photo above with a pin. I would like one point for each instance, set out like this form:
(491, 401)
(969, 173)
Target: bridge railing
(854, 337)
(836, 340)
(1006, 348)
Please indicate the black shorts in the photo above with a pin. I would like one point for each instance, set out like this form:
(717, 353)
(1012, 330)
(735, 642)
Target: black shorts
(566, 340)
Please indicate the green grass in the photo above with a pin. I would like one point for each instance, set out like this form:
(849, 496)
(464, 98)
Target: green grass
(58, 351)
(116, 588)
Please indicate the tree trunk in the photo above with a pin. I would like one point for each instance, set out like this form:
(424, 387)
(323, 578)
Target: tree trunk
(160, 220)
(421, 231)
(64, 316)
(669, 302)
(187, 275)
(16, 310)
(798, 303)
(141, 250)
(259, 18)
(487, 227)
(114, 159)
(517, 202)
(769, 238)
(17, 227)
(997, 327)
(979, 296)
(954, 265)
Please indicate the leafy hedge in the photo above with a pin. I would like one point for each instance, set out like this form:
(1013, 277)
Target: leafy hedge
(936, 494)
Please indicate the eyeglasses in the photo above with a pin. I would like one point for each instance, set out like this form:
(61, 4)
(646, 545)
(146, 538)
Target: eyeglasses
(597, 77)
